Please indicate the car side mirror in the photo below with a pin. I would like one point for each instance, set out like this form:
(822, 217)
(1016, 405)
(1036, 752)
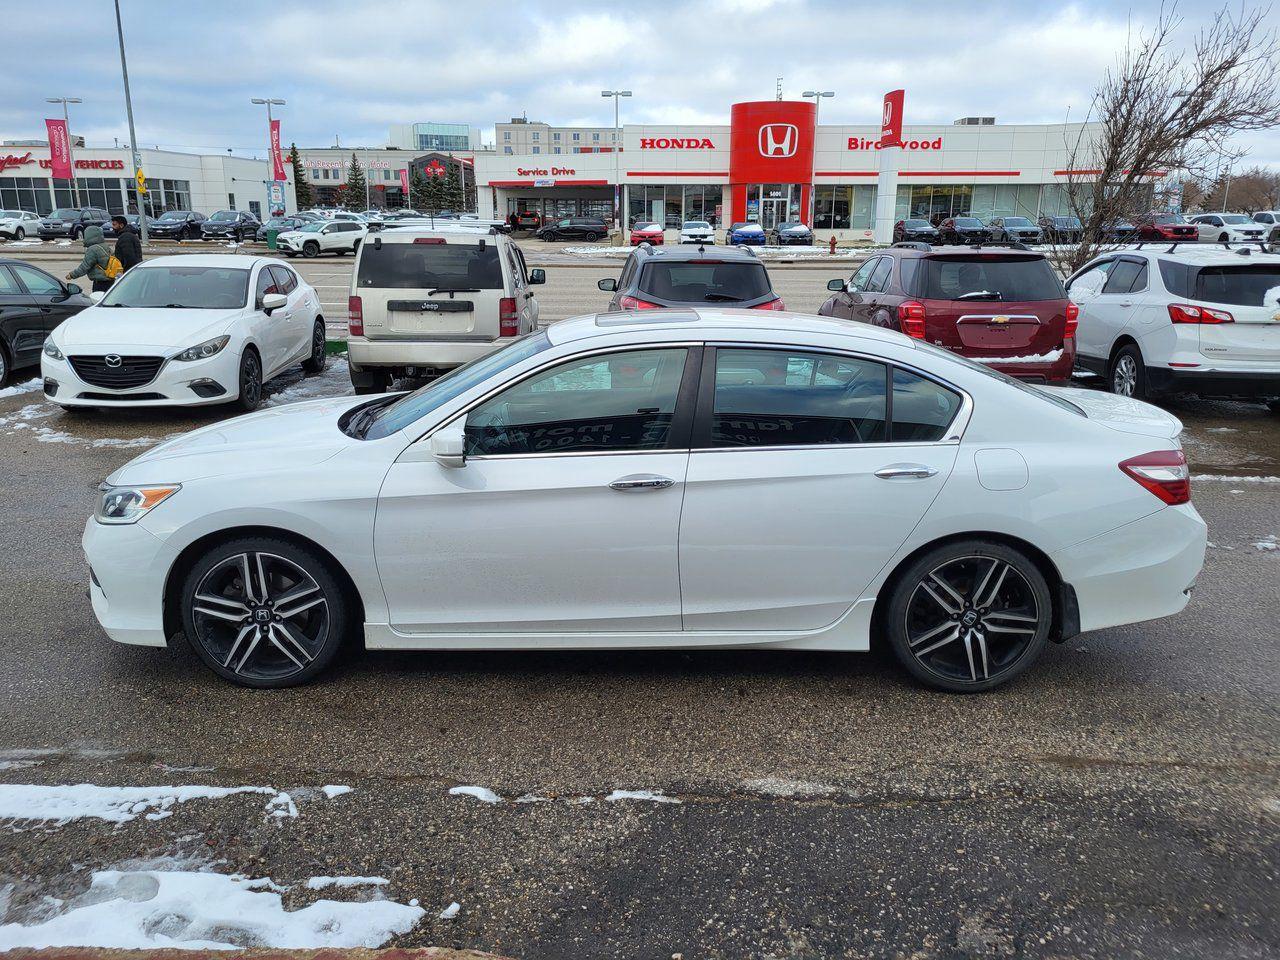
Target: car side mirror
(608, 284)
(273, 301)
(537, 275)
(97, 296)
(71, 289)
(448, 446)
(835, 286)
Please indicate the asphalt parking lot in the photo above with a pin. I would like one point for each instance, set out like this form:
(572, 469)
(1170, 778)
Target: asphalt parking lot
(1121, 799)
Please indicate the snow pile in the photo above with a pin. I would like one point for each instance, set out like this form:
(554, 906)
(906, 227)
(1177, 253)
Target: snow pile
(335, 381)
(451, 911)
(319, 883)
(654, 796)
(483, 794)
(210, 911)
(19, 388)
(1051, 357)
(63, 803)
(335, 790)
(1201, 477)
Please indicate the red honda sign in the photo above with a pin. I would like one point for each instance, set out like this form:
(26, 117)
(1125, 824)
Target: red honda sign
(59, 149)
(891, 120)
(277, 160)
(676, 143)
(771, 141)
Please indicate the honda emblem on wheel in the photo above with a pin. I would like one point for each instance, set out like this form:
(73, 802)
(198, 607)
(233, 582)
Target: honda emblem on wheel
(112, 359)
(779, 140)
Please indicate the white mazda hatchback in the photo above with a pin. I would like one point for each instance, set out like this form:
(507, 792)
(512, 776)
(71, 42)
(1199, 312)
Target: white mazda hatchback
(186, 331)
(663, 479)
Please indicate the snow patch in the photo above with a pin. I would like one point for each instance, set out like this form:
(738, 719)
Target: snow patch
(210, 911)
(779, 787)
(18, 764)
(335, 381)
(451, 911)
(483, 794)
(654, 796)
(332, 791)
(1214, 477)
(1051, 357)
(63, 803)
(1267, 545)
(319, 883)
(532, 798)
(20, 388)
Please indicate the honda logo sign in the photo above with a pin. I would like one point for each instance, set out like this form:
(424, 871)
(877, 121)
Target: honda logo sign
(779, 140)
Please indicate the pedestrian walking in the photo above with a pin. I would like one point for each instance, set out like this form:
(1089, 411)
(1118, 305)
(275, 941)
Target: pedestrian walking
(96, 260)
(128, 246)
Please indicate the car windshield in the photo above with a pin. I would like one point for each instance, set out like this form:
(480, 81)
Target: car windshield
(968, 222)
(279, 222)
(645, 225)
(705, 281)
(1235, 218)
(1254, 285)
(1167, 218)
(196, 288)
(1071, 223)
(702, 225)
(986, 277)
(987, 371)
(225, 215)
(312, 226)
(174, 215)
(65, 213)
(1017, 222)
(399, 414)
(432, 266)
(11, 214)
(916, 224)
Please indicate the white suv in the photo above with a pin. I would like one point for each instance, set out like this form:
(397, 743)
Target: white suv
(426, 300)
(1227, 227)
(17, 224)
(1181, 319)
(322, 236)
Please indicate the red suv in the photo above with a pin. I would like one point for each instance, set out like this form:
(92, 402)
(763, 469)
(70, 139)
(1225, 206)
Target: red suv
(998, 305)
(1165, 226)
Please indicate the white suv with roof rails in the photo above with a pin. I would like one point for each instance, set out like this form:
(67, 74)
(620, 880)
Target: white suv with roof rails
(323, 236)
(1181, 319)
(1227, 228)
(425, 300)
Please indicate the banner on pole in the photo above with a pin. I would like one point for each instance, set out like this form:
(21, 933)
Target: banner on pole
(891, 120)
(59, 149)
(277, 159)
(404, 181)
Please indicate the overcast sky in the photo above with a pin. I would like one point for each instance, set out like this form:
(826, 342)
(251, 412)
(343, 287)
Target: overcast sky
(351, 69)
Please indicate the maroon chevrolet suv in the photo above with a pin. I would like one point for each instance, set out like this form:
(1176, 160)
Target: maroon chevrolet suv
(999, 305)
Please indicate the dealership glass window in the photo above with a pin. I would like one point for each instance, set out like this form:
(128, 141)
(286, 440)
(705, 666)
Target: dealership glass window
(577, 137)
(600, 209)
(26, 193)
(62, 194)
(102, 192)
(558, 207)
(831, 207)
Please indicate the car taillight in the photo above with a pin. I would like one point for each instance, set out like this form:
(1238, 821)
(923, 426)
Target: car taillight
(635, 303)
(774, 304)
(428, 240)
(1187, 313)
(1164, 473)
(1073, 321)
(508, 319)
(911, 318)
(355, 317)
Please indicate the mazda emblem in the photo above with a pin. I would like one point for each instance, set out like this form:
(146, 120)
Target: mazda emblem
(112, 359)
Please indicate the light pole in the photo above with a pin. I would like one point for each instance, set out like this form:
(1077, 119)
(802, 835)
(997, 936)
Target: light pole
(75, 191)
(270, 156)
(618, 214)
(133, 137)
(813, 187)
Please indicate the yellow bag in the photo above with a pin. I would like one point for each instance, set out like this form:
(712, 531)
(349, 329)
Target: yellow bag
(114, 267)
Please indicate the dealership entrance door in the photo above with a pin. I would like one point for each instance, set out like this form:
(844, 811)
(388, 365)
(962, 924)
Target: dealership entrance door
(773, 211)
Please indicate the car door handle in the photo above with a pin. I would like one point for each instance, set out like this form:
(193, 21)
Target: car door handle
(906, 471)
(1126, 303)
(642, 481)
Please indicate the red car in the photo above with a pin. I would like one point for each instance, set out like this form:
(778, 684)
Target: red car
(646, 231)
(1166, 226)
(1004, 308)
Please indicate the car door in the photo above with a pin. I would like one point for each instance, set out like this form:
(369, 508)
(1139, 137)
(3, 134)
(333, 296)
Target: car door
(1094, 336)
(869, 297)
(526, 303)
(22, 329)
(848, 303)
(272, 333)
(799, 489)
(564, 518)
(298, 318)
(50, 297)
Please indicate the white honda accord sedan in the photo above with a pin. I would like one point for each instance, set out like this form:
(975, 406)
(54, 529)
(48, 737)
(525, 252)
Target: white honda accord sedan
(186, 331)
(662, 479)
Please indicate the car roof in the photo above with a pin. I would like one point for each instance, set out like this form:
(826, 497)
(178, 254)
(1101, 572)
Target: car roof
(960, 250)
(235, 261)
(680, 323)
(1202, 255)
(719, 253)
(447, 233)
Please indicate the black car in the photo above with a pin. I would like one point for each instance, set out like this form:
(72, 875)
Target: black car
(109, 231)
(1120, 231)
(226, 224)
(656, 277)
(1018, 229)
(1061, 229)
(71, 222)
(278, 223)
(177, 225)
(791, 233)
(32, 303)
(589, 229)
(915, 228)
(963, 230)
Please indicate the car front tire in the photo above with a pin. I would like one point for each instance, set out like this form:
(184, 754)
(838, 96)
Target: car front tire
(969, 616)
(1127, 375)
(315, 363)
(264, 612)
(311, 249)
(19, 234)
(249, 397)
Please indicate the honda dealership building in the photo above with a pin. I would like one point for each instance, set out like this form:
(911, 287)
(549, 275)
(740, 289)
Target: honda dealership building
(773, 163)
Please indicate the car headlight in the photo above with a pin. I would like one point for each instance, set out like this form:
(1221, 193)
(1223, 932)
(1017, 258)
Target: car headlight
(202, 351)
(130, 504)
(51, 349)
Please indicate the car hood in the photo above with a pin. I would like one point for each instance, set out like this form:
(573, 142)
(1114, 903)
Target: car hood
(1122, 413)
(800, 230)
(134, 330)
(286, 437)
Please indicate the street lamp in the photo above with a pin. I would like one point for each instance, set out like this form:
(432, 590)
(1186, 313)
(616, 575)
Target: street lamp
(618, 214)
(817, 99)
(270, 170)
(75, 191)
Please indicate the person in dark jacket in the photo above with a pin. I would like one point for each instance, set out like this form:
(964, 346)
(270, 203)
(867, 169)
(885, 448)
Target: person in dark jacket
(94, 263)
(128, 246)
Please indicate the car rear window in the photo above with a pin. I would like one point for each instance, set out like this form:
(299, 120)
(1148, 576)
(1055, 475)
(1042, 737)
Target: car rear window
(984, 277)
(702, 280)
(1252, 285)
(435, 266)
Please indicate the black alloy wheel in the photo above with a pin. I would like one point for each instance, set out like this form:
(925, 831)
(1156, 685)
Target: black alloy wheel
(311, 249)
(250, 381)
(5, 369)
(969, 616)
(591, 237)
(263, 612)
(314, 364)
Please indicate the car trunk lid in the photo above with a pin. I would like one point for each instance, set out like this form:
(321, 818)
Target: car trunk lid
(1123, 414)
(1250, 292)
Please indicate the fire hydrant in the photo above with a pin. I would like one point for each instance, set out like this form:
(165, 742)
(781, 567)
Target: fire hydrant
(832, 245)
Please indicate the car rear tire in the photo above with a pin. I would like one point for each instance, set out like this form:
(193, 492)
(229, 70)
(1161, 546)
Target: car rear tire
(591, 237)
(263, 612)
(249, 397)
(1127, 375)
(310, 249)
(6, 369)
(969, 616)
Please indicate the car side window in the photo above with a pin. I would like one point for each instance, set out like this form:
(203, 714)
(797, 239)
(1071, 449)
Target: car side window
(1140, 281)
(1122, 277)
(36, 281)
(1093, 279)
(615, 401)
(880, 277)
(768, 398)
(266, 285)
(8, 285)
(284, 279)
(859, 280)
(922, 410)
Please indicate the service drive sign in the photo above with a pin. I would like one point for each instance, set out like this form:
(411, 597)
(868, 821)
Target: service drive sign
(779, 140)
